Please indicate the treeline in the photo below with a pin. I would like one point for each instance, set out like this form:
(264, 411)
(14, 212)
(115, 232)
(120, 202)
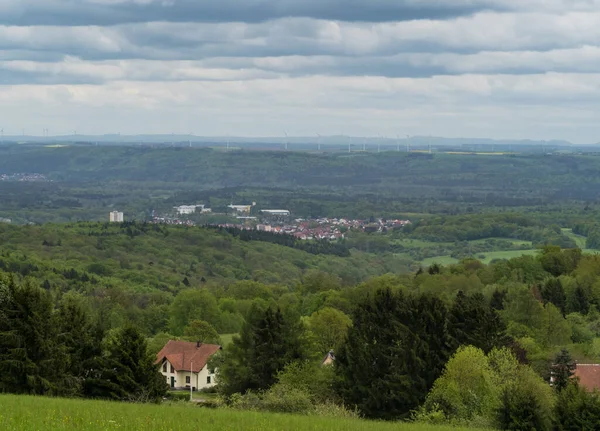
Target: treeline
(482, 226)
(323, 246)
(60, 349)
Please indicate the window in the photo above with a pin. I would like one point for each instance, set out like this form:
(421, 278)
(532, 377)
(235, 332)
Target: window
(208, 380)
(187, 379)
(172, 369)
(165, 367)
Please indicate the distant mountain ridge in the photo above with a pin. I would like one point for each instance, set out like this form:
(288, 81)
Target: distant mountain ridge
(324, 140)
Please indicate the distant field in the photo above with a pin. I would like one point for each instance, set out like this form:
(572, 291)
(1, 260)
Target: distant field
(440, 260)
(517, 242)
(579, 239)
(489, 256)
(417, 243)
(50, 414)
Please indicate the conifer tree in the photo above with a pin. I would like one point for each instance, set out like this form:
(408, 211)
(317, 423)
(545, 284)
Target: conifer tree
(268, 342)
(31, 360)
(562, 369)
(395, 349)
(472, 322)
(554, 292)
(128, 371)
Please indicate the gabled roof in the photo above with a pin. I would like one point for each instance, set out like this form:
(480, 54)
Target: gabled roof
(589, 376)
(183, 353)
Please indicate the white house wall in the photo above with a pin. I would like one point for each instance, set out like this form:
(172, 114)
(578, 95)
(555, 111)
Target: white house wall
(198, 379)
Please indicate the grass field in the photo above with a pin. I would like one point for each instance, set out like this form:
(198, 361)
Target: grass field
(50, 414)
(579, 239)
(489, 256)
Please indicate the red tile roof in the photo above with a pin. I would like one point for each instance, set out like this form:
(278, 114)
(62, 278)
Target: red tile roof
(589, 376)
(181, 353)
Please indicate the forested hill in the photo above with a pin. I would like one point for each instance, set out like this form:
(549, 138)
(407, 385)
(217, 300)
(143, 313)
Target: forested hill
(84, 182)
(557, 176)
(145, 257)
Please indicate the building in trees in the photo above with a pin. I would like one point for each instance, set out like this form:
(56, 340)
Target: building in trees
(588, 375)
(183, 364)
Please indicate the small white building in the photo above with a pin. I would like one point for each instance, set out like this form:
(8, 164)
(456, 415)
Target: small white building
(277, 213)
(184, 364)
(243, 209)
(189, 209)
(116, 217)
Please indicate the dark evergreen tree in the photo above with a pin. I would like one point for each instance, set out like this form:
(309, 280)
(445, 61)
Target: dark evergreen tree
(581, 303)
(520, 411)
(268, 342)
(497, 302)
(577, 409)
(553, 292)
(31, 360)
(80, 337)
(473, 322)
(128, 371)
(427, 317)
(394, 351)
(562, 370)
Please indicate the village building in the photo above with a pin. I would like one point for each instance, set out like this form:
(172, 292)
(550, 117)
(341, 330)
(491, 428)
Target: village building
(588, 375)
(185, 364)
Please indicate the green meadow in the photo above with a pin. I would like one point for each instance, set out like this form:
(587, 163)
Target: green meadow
(54, 414)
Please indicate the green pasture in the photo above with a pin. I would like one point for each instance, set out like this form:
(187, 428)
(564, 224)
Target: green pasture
(54, 414)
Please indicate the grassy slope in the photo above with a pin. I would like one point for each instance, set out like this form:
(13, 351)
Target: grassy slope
(30, 413)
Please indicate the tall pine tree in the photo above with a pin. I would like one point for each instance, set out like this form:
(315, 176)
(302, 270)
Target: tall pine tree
(128, 371)
(268, 342)
(472, 322)
(395, 349)
(31, 359)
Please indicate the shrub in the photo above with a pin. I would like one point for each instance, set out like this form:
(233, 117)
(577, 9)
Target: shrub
(286, 399)
(178, 396)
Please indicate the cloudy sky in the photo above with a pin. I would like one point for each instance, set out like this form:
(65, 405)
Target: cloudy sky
(459, 68)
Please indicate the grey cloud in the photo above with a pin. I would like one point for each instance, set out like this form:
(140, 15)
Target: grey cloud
(98, 12)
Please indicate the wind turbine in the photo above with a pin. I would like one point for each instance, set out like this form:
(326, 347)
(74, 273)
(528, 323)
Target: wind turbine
(2, 135)
(407, 143)
(398, 141)
(319, 142)
(286, 141)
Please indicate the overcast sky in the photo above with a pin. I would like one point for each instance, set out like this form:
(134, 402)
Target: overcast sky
(453, 68)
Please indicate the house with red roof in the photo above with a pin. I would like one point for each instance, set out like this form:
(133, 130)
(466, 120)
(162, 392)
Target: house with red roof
(184, 364)
(588, 375)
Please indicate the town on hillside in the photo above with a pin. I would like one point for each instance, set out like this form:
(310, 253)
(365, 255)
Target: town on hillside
(279, 221)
